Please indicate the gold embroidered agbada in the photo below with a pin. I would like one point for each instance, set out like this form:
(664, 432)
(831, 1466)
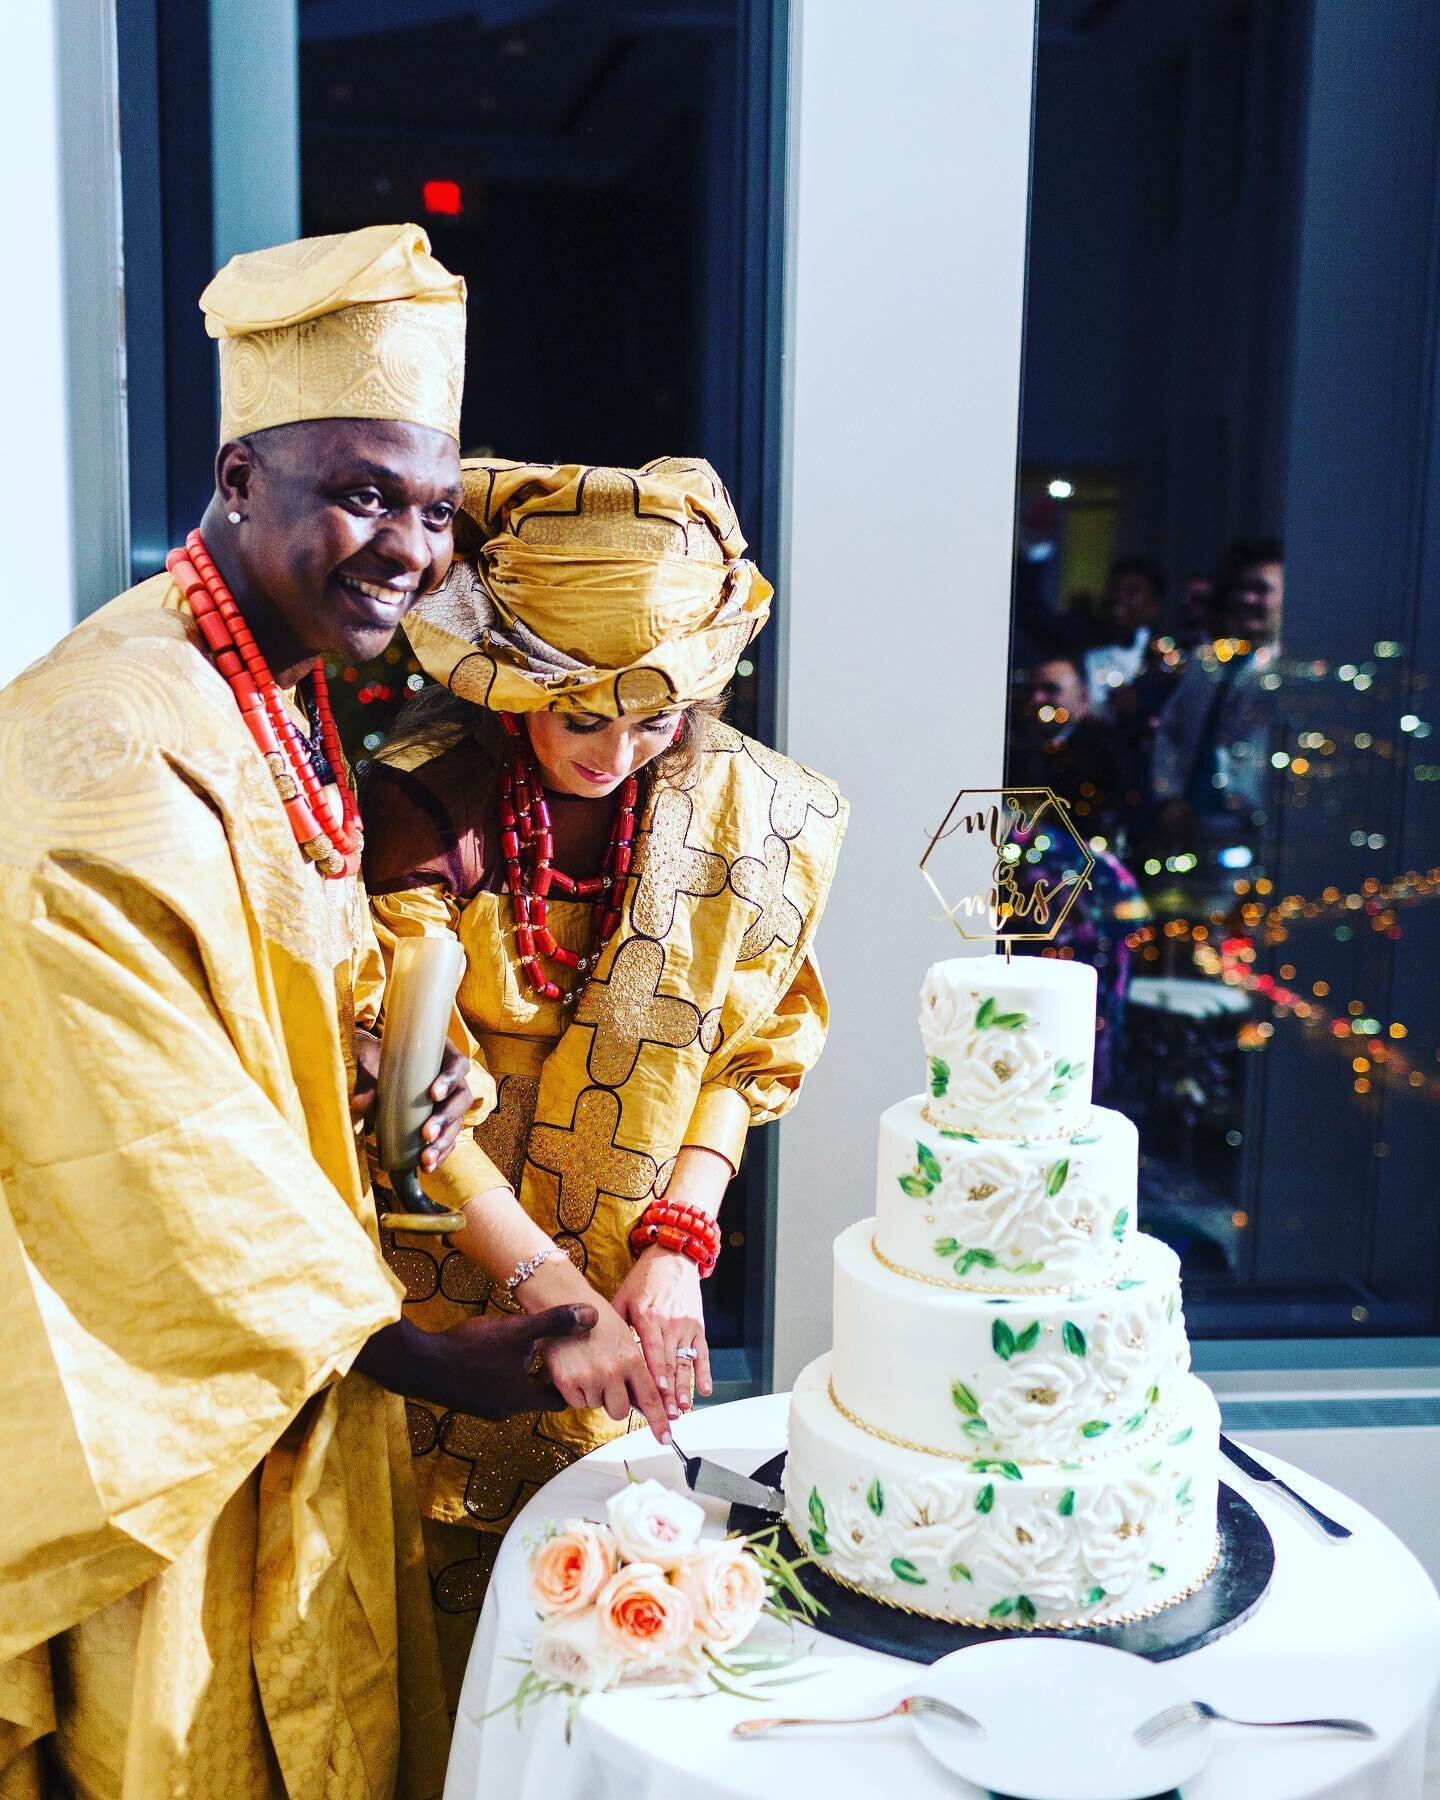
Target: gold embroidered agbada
(706, 1008)
(211, 1575)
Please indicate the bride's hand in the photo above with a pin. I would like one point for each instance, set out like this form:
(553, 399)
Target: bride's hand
(660, 1297)
(606, 1368)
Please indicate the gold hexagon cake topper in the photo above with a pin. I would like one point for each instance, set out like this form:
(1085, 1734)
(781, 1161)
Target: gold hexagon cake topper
(987, 864)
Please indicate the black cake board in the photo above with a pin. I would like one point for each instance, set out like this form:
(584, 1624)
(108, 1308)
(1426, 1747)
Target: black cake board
(1233, 1591)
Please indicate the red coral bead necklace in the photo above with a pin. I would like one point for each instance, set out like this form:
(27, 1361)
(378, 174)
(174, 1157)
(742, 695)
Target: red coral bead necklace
(527, 843)
(332, 843)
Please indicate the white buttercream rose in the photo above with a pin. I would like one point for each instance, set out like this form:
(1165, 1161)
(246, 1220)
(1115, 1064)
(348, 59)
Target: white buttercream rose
(1039, 1558)
(569, 1648)
(1035, 1406)
(1142, 1344)
(1115, 1528)
(861, 1544)
(726, 1588)
(998, 1075)
(980, 1200)
(654, 1524)
(946, 1010)
(643, 1616)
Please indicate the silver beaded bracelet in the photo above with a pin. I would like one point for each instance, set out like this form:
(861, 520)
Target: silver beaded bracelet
(525, 1269)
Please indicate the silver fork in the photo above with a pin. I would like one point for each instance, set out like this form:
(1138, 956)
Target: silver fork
(912, 1703)
(1196, 1712)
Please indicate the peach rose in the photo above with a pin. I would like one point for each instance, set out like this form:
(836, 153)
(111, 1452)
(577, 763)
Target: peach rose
(568, 1570)
(727, 1590)
(642, 1617)
(568, 1647)
(654, 1524)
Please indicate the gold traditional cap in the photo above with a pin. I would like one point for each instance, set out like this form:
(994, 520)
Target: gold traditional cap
(364, 325)
(589, 589)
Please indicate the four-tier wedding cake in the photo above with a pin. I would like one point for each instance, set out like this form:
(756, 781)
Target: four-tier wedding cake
(1006, 1432)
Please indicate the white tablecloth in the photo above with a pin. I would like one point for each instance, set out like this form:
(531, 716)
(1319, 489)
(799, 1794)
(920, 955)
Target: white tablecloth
(1347, 1629)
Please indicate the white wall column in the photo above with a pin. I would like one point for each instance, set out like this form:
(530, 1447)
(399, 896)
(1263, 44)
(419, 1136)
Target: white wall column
(908, 197)
(35, 481)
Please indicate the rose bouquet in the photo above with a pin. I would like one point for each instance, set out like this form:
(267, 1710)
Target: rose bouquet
(641, 1598)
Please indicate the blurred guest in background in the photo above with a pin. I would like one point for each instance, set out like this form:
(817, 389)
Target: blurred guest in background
(1128, 617)
(1211, 769)
(1058, 742)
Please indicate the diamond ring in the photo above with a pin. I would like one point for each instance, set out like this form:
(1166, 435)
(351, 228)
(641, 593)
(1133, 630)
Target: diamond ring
(687, 1353)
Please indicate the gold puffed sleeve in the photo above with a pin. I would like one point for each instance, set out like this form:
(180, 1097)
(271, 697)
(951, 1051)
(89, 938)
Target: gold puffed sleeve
(432, 911)
(756, 1078)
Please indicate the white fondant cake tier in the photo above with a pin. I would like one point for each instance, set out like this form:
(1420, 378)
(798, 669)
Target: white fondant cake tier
(1006, 1213)
(1025, 1378)
(1008, 1044)
(1074, 1542)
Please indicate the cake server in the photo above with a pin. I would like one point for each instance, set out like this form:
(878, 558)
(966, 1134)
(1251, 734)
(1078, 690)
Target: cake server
(1258, 1472)
(714, 1479)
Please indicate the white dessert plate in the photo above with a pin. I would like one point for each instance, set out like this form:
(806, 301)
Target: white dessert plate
(1059, 1720)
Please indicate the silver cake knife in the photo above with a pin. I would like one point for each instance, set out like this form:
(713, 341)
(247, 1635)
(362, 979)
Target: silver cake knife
(1258, 1472)
(720, 1483)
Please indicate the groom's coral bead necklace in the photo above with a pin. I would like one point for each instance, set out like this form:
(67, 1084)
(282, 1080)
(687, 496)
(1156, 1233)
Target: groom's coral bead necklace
(333, 844)
(527, 843)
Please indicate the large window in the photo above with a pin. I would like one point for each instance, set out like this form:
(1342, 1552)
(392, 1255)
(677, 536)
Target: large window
(1227, 625)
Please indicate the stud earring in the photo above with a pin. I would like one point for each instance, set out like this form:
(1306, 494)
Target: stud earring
(233, 517)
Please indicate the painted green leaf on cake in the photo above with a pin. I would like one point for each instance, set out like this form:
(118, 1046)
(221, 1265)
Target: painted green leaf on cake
(1151, 1468)
(819, 1543)
(985, 1499)
(1002, 1338)
(945, 1246)
(939, 1077)
(1095, 1596)
(1010, 1021)
(1135, 1421)
(985, 1014)
(1077, 1069)
(958, 1572)
(1025, 1609)
(1002, 1609)
(817, 1510)
(1062, 1069)
(975, 1259)
(907, 1571)
(1055, 1180)
(875, 1497)
(965, 1137)
(964, 1399)
(1029, 1337)
(1057, 1092)
(1069, 1465)
(1122, 1287)
(1030, 1268)
(1074, 1338)
(929, 1163)
(1152, 1395)
(975, 1428)
(1182, 1493)
(1082, 1138)
(987, 1466)
(1180, 1436)
(1157, 1571)
(1093, 1428)
(1067, 1503)
(1122, 1219)
(915, 1186)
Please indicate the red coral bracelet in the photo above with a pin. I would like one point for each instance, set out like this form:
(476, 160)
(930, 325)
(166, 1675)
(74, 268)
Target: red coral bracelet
(685, 1229)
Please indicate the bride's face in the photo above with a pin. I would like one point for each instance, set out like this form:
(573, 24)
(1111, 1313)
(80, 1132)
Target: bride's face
(585, 754)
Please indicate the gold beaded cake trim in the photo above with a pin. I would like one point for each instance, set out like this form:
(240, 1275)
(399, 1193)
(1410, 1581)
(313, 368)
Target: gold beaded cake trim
(987, 1287)
(1125, 1618)
(948, 1130)
(974, 1455)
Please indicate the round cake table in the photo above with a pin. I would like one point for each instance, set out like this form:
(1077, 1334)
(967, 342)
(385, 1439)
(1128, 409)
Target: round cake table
(1347, 1629)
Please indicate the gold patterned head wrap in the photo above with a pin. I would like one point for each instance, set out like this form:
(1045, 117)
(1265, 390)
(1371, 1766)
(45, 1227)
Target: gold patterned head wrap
(364, 325)
(588, 589)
